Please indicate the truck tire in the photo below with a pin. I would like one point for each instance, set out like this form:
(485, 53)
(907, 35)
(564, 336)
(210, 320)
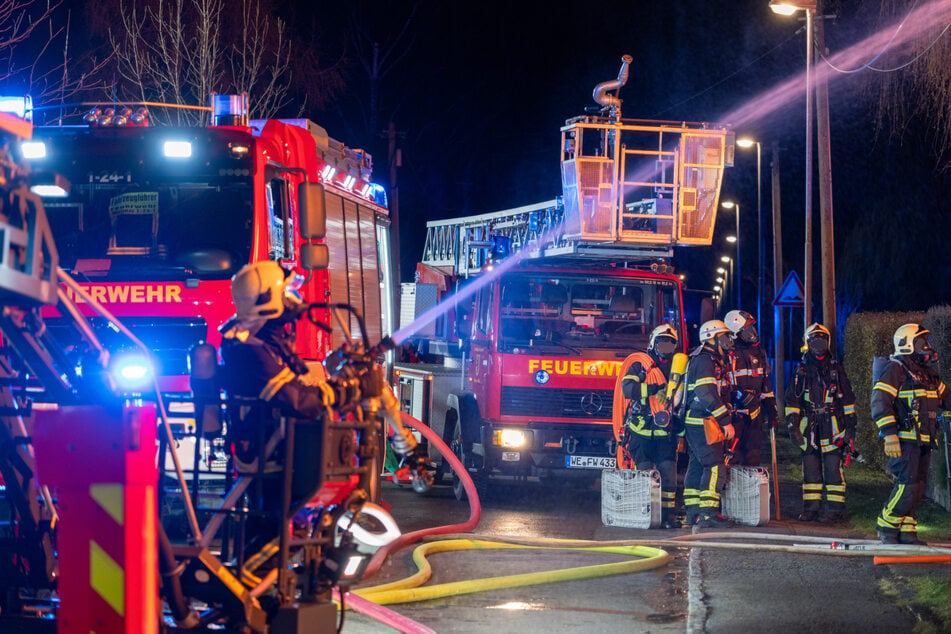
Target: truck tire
(463, 451)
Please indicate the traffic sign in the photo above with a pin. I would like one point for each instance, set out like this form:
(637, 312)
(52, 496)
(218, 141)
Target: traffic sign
(791, 294)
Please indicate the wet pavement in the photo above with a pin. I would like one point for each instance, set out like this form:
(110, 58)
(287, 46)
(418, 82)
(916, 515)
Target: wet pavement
(704, 589)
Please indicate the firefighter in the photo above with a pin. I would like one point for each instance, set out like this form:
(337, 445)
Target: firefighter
(907, 393)
(708, 424)
(259, 355)
(652, 440)
(754, 399)
(820, 414)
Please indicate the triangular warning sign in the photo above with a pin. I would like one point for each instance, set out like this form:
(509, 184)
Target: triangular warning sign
(791, 293)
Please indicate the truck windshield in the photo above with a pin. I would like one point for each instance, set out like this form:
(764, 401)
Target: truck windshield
(118, 233)
(128, 208)
(134, 233)
(568, 314)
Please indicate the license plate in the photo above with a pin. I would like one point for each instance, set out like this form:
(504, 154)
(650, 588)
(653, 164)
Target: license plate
(590, 462)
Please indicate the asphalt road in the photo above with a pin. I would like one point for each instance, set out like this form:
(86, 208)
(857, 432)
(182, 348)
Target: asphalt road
(706, 589)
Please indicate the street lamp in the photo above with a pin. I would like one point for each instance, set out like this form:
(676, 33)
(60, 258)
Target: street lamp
(738, 283)
(789, 7)
(746, 143)
(728, 260)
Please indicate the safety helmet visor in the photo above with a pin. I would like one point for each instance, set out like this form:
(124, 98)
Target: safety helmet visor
(923, 349)
(748, 334)
(818, 343)
(724, 341)
(665, 346)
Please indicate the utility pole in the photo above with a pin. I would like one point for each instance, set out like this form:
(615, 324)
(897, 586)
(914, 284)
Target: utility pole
(827, 242)
(394, 201)
(779, 340)
(810, 141)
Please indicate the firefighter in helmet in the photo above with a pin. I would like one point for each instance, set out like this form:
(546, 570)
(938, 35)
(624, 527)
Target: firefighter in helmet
(650, 434)
(754, 401)
(820, 414)
(259, 354)
(708, 424)
(907, 393)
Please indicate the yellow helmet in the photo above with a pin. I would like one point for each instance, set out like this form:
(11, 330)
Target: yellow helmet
(816, 330)
(258, 291)
(904, 338)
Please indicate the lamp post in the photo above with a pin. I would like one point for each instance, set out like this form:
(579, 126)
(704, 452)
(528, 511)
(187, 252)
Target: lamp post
(737, 282)
(747, 143)
(789, 7)
(728, 260)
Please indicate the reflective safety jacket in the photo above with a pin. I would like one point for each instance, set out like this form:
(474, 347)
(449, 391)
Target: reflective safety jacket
(646, 397)
(750, 373)
(265, 366)
(708, 388)
(820, 403)
(906, 399)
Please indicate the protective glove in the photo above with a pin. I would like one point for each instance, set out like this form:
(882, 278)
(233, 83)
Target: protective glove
(728, 431)
(744, 399)
(892, 446)
(636, 372)
(403, 443)
(795, 435)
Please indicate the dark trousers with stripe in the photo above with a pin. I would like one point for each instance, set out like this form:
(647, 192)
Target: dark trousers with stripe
(706, 475)
(911, 474)
(749, 449)
(658, 453)
(822, 474)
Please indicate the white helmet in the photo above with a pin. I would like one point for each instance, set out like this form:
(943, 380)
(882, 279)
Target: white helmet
(710, 329)
(663, 330)
(258, 291)
(905, 336)
(736, 319)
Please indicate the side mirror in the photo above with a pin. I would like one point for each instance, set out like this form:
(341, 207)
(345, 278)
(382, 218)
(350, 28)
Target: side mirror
(311, 210)
(314, 256)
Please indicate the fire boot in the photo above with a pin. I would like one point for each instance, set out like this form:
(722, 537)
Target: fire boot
(888, 536)
(668, 520)
(808, 516)
(910, 538)
(714, 521)
(831, 516)
(693, 514)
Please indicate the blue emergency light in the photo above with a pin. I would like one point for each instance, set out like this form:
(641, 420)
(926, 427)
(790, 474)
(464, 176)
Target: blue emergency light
(132, 372)
(21, 106)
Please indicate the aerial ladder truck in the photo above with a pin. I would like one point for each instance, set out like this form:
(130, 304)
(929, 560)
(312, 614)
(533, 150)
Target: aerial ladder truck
(524, 316)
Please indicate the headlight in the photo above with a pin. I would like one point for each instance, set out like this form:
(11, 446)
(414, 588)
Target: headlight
(511, 438)
(178, 149)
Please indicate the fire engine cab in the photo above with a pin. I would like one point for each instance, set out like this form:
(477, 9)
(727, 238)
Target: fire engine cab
(524, 316)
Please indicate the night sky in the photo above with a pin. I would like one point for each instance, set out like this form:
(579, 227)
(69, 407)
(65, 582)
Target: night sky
(482, 89)
(477, 93)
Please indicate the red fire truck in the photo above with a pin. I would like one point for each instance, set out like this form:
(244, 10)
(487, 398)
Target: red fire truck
(548, 299)
(154, 221)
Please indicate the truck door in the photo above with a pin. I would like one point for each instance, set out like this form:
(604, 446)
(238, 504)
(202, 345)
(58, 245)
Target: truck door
(481, 363)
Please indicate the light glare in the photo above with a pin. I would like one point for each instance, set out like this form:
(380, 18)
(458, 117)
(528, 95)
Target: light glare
(33, 149)
(178, 149)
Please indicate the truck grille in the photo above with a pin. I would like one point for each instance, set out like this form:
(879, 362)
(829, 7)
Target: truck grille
(554, 403)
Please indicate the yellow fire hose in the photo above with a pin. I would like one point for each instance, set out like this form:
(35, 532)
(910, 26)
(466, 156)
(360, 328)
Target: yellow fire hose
(409, 589)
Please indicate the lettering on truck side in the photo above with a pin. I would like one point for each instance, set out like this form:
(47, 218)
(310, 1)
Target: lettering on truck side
(130, 293)
(575, 368)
